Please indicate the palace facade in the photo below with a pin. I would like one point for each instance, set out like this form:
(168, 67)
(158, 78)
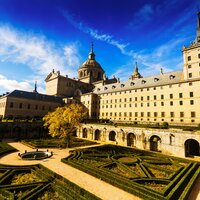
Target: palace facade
(172, 97)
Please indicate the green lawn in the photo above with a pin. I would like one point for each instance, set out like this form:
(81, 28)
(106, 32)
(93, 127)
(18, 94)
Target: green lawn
(56, 143)
(145, 174)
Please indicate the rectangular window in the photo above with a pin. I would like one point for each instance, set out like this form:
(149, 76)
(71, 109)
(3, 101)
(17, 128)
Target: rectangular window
(191, 102)
(148, 114)
(148, 98)
(154, 103)
(130, 114)
(11, 104)
(162, 114)
(130, 99)
(142, 114)
(120, 114)
(190, 75)
(135, 104)
(141, 104)
(162, 96)
(190, 84)
(141, 98)
(193, 114)
(36, 107)
(171, 96)
(189, 58)
(136, 114)
(181, 114)
(180, 95)
(171, 103)
(180, 103)
(171, 114)
(43, 107)
(125, 100)
(199, 55)
(162, 103)
(155, 114)
(125, 114)
(135, 98)
(115, 114)
(191, 94)
(154, 97)
(148, 104)
(189, 66)
(29, 106)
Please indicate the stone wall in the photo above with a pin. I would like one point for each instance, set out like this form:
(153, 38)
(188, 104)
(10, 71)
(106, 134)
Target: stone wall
(168, 141)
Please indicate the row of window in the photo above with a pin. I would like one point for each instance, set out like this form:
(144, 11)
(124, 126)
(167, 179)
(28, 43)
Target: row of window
(171, 103)
(189, 58)
(171, 96)
(148, 114)
(29, 106)
(142, 89)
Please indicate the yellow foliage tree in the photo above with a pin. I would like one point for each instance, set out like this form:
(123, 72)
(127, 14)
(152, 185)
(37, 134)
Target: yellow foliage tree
(64, 120)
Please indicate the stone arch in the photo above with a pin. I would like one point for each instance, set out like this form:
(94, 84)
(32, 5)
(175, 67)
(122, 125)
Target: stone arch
(155, 142)
(112, 136)
(85, 133)
(97, 134)
(131, 139)
(192, 148)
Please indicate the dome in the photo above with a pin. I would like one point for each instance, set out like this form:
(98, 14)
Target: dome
(90, 71)
(91, 64)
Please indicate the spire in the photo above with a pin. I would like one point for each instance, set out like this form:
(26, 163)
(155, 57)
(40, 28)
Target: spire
(35, 88)
(198, 27)
(136, 73)
(136, 68)
(91, 54)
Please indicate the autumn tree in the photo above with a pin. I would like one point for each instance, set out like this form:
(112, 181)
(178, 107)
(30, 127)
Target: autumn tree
(63, 121)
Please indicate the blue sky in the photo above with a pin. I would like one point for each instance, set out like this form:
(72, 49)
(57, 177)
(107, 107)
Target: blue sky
(37, 36)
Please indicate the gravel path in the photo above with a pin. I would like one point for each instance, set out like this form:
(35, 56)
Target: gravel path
(96, 186)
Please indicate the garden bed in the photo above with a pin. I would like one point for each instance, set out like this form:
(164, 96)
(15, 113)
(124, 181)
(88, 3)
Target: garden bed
(6, 148)
(37, 182)
(145, 174)
(56, 143)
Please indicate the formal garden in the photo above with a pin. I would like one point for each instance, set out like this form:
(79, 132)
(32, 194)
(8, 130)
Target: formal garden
(56, 142)
(145, 174)
(38, 183)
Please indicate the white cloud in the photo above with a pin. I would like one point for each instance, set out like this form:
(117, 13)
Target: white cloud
(37, 53)
(9, 85)
(96, 34)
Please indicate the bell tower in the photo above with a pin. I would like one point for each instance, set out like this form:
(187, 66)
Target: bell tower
(191, 56)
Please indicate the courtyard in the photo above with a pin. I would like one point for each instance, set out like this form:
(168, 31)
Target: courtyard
(117, 163)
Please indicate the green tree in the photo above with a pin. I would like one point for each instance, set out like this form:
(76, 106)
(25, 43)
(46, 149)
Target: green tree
(63, 121)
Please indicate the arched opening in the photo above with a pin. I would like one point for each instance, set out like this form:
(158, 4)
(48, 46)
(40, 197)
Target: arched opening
(112, 136)
(192, 148)
(85, 133)
(97, 134)
(155, 143)
(131, 140)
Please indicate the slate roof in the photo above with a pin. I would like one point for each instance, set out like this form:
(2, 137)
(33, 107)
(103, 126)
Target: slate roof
(151, 81)
(34, 96)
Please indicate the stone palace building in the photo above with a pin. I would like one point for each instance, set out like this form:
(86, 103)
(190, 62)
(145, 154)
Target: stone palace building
(172, 97)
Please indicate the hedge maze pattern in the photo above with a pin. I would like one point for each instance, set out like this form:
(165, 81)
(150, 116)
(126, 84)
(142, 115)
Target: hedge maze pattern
(37, 182)
(144, 174)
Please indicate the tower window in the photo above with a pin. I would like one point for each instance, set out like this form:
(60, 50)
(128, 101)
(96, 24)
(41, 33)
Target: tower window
(189, 58)
(193, 114)
(190, 75)
(191, 94)
(181, 114)
(189, 66)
